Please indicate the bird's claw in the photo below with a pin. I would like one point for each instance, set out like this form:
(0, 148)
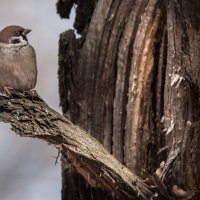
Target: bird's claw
(8, 91)
(31, 92)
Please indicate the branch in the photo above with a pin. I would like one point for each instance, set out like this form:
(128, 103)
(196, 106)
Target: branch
(32, 117)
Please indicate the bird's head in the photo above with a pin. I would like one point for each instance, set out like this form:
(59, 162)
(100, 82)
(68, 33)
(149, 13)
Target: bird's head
(14, 35)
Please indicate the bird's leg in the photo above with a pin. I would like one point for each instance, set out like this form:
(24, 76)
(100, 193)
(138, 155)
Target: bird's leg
(31, 92)
(8, 90)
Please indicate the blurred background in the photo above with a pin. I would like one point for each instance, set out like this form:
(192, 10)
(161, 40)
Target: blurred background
(27, 166)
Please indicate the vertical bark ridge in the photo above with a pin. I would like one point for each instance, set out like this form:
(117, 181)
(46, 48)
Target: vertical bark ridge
(142, 63)
(121, 89)
(181, 93)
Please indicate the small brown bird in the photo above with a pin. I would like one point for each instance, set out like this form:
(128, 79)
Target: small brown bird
(18, 69)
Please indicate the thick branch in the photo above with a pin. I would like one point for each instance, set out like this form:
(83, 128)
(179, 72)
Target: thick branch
(31, 117)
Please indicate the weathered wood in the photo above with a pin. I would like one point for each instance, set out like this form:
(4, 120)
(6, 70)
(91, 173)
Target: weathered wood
(31, 117)
(64, 7)
(119, 43)
(136, 85)
(182, 92)
(95, 78)
(138, 128)
(84, 10)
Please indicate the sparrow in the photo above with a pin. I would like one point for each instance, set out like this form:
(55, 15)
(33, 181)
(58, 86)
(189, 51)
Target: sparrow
(18, 68)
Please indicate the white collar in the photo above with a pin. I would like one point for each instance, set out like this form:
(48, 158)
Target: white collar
(20, 44)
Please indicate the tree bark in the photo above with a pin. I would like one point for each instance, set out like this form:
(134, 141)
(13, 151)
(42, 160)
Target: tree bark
(132, 81)
(182, 92)
(31, 117)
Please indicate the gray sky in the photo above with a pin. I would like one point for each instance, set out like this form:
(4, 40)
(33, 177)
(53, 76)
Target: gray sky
(27, 169)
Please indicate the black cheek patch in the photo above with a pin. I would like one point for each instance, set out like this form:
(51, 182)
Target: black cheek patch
(15, 41)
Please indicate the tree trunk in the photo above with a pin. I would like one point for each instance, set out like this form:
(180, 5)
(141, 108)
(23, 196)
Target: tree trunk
(132, 81)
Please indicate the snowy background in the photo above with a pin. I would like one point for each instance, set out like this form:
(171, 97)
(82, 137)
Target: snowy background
(27, 166)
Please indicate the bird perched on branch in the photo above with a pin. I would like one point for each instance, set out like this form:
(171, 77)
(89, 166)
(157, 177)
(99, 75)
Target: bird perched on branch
(18, 69)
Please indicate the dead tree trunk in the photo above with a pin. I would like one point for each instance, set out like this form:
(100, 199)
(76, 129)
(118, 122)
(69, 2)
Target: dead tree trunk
(132, 81)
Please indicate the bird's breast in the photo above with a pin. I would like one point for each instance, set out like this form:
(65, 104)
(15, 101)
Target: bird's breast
(19, 67)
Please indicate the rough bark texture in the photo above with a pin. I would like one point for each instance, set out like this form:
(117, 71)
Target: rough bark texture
(182, 92)
(31, 117)
(132, 81)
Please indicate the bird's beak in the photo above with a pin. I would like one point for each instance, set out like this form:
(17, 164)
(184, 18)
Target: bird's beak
(26, 31)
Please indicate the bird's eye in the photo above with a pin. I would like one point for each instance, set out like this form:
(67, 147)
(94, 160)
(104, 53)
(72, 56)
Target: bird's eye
(17, 33)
